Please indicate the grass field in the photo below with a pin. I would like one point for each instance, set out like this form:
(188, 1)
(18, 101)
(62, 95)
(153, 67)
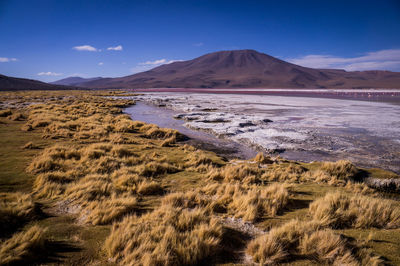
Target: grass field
(82, 183)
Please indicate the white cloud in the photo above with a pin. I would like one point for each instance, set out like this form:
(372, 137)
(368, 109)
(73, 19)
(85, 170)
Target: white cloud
(116, 48)
(144, 66)
(158, 62)
(155, 62)
(101, 63)
(86, 47)
(379, 60)
(6, 59)
(49, 74)
(140, 68)
(198, 44)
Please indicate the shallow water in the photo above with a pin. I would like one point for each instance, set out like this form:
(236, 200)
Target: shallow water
(164, 117)
(302, 128)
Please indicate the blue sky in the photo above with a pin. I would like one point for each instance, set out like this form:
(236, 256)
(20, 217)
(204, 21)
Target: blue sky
(54, 39)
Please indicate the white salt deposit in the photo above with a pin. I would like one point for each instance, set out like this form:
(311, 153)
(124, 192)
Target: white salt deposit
(358, 130)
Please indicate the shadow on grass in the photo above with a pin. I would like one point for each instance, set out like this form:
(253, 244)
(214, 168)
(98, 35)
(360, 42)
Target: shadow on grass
(233, 246)
(296, 204)
(53, 252)
(10, 223)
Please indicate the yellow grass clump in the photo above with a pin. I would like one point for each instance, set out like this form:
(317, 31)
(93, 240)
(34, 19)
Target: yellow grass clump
(29, 145)
(339, 210)
(15, 209)
(247, 202)
(153, 169)
(256, 203)
(166, 236)
(169, 141)
(53, 183)
(306, 239)
(197, 160)
(154, 132)
(341, 169)
(100, 182)
(23, 246)
(149, 188)
(244, 173)
(54, 158)
(107, 210)
(17, 117)
(5, 113)
(291, 172)
(261, 158)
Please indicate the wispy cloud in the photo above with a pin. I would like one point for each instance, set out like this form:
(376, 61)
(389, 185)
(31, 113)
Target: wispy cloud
(140, 68)
(85, 47)
(101, 63)
(159, 62)
(116, 48)
(378, 60)
(49, 74)
(6, 59)
(198, 44)
(144, 66)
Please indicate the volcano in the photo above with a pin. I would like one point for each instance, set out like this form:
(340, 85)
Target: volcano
(246, 69)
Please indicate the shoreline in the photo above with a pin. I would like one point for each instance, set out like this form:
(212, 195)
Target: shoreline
(383, 95)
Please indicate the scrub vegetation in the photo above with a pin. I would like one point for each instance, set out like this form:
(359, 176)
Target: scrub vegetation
(83, 183)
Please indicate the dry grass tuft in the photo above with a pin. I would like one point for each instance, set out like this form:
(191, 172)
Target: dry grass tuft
(153, 169)
(149, 188)
(17, 117)
(291, 172)
(244, 173)
(256, 203)
(169, 142)
(341, 170)
(100, 180)
(107, 210)
(307, 239)
(5, 113)
(23, 246)
(30, 146)
(261, 158)
(154, 132)
(339, 210)
(166, 236)
(53, 158)
(198, 160)
(52, 184)
(247, 202)
(15, 210)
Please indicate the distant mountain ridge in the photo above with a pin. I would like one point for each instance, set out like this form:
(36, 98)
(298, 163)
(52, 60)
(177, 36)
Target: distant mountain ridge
(246, 69)
(11, 83)
(72, 81)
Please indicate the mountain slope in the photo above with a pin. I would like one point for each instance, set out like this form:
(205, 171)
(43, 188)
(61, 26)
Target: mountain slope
(73, 81)
(246, 69)
(11, 83)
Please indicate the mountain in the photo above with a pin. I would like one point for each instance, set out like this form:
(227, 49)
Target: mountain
(11, 83)
(73, 81)
(246, 69)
